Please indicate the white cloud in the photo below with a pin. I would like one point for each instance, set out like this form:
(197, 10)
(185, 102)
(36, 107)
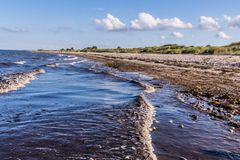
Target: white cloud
(177, 34)
(233, 22)
(174, 23)
(146, 21)
(162, 37)
(111, 23)
(223, 35)
(208, 23)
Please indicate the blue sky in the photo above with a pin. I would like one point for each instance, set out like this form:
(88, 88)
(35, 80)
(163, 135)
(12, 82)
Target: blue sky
(54, 24)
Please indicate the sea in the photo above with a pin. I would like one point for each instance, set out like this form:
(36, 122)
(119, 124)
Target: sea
(66, 107)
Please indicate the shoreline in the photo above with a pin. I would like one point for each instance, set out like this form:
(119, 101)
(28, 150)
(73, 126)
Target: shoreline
(212, 77)
(142, 116)
(139, 114)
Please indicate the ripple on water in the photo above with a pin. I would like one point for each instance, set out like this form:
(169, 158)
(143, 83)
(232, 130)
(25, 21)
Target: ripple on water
(203, 138)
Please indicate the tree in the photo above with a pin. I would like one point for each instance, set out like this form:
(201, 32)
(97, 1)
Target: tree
(94, 47)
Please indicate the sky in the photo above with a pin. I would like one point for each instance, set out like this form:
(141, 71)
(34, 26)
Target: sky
(55, 24)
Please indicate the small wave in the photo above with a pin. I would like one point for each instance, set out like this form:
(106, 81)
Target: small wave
(19, 62)
(148, 122)
(70, 58)
(11, 63)
(52, 65)
(77, 62)
(11, 82)
(146, 110)
(141, 114)
(69, 63)
(148, 88)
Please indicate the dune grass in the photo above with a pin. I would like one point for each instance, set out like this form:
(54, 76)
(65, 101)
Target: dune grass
(233, 48)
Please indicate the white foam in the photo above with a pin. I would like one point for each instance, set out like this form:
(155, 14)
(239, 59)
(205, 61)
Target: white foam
(77, 62)
(71, 63)
(70, 58)
(19, 62)
(52, 65)
(15, 81)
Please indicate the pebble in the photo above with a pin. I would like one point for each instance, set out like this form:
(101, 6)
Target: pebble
(232, 128)
(133, 148)
(154, 128)
(210, 108)
(181, 126)
(182, 158)
(156, 121)
(194, 117)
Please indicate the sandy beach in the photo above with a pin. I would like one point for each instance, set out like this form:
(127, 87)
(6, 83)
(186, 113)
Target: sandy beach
(212, 77)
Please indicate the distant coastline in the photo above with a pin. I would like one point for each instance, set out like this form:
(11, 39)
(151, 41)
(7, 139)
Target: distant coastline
(231, 49)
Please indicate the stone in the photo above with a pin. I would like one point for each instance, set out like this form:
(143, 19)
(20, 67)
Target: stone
(181, 126)
(154, 128)
(182, 158)
(194, 117)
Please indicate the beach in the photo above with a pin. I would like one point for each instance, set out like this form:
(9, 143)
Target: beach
(107, 80)
(212, 77)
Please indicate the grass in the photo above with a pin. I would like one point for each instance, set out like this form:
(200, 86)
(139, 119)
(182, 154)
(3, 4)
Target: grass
(233, 48)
